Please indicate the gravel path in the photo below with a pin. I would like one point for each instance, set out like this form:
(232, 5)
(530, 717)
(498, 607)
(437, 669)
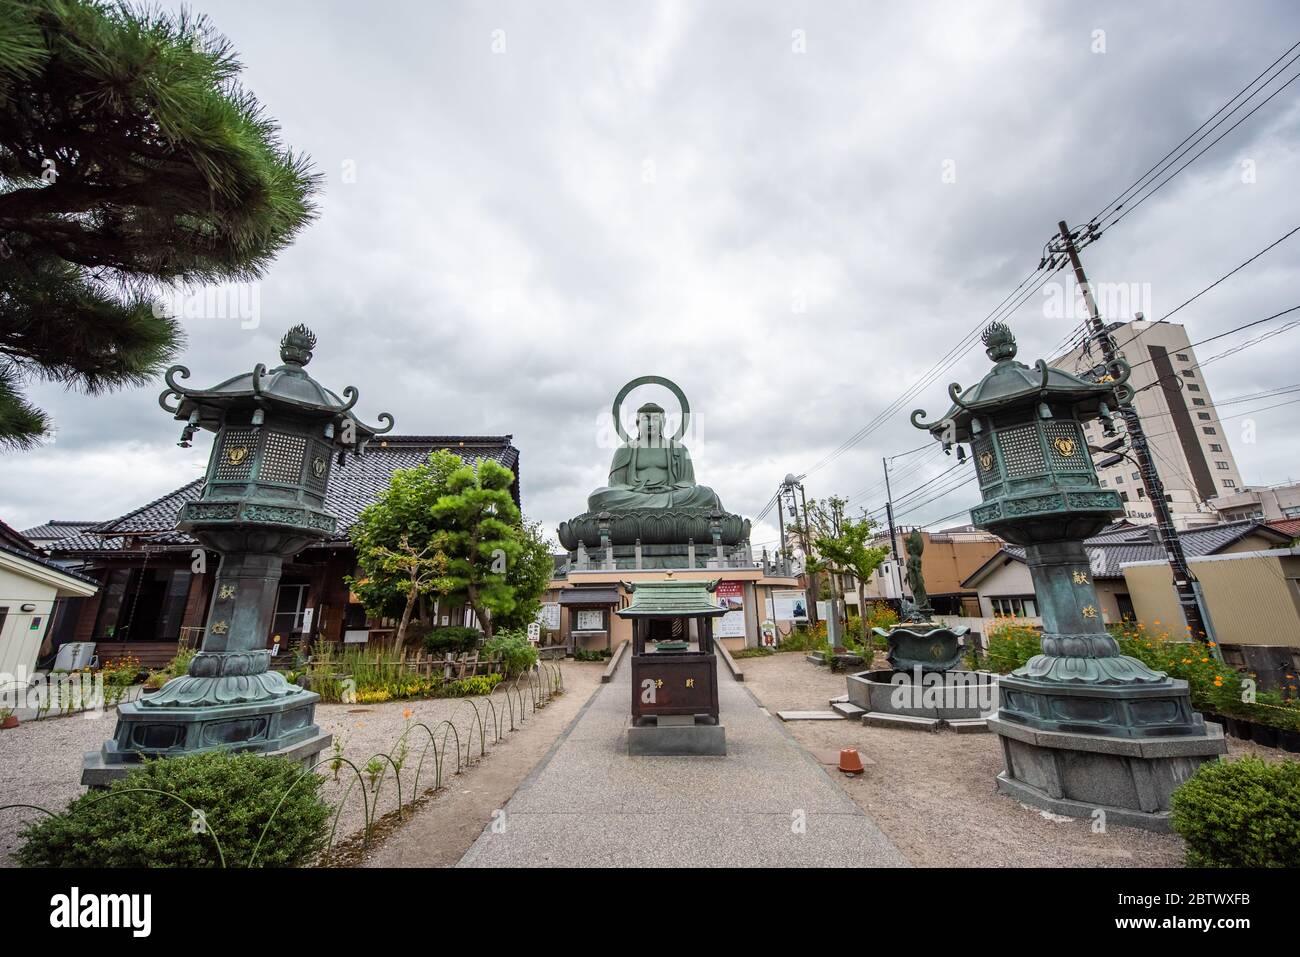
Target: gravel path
(40, 761)
(933, 794)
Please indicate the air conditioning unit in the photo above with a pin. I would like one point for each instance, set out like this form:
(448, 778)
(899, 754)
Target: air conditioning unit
(74, 656)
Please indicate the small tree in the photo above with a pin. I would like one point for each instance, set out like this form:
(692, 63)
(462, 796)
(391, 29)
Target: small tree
(130, 158)
(400, 547)
(418, 570)
(841, 543)
(529, 575)
(484, 538)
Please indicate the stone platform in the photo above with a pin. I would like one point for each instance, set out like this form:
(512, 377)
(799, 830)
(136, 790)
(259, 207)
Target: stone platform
(673, 737)
(1130, 779)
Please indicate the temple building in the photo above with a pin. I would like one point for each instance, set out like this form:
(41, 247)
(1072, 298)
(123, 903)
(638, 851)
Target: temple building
(151, 600)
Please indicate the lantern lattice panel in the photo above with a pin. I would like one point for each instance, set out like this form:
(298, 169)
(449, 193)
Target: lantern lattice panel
(235, 460)
(1066, 447)
(318, 468)
(1022, 452)
(282, 460)
(986, 463)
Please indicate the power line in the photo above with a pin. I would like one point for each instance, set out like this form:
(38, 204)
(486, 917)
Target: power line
(1228, 274)
(1123, 197)
(1207, 148)
(1221, 335)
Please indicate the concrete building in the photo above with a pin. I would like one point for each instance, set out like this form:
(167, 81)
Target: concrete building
(949, 558)
(34, 593)
(581, 603)
(1273, 503)
(1252, 595)
(1189, 442)
(1005, 587)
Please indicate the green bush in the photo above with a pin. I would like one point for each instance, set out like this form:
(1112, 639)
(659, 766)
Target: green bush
(1011, 643)
(880, 615)
(454, 639)
(515, 652)
(759, 651)
(593, 654)
(803, 638)
(1243, 813)
(468, 687)
(235, 793)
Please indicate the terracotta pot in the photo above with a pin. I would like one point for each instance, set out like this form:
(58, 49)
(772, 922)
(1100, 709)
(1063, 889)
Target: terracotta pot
(850, 761)
(10, 722)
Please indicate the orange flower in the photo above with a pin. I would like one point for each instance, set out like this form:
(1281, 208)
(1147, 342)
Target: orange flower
(1205, 659)
(407, 714)
(1211, 644)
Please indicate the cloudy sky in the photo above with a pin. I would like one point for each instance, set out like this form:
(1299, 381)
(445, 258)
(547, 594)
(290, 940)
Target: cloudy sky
(791, 209)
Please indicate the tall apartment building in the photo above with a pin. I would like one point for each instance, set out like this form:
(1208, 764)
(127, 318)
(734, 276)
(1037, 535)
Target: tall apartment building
(1188, 442)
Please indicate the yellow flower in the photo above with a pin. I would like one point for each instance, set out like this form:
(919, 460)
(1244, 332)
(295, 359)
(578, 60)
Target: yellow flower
(1205, 659)
(1211, 644)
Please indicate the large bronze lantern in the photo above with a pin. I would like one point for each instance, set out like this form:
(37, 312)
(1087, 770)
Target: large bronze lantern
(278, 436)
(1082, 726)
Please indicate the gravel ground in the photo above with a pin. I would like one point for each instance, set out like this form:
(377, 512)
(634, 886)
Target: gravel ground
(933, 795)
(40, 761)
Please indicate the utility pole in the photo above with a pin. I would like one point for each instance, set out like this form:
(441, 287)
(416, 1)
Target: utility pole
(813, 586)
(1184, 582)
(893, 538)
(780, 524)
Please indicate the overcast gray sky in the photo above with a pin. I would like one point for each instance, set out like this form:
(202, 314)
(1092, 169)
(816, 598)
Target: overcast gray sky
(791, 209)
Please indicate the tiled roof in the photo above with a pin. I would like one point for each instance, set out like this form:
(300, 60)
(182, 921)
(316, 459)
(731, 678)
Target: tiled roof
(1111, 548)
(15, 543)
(58, 528)
(655, 599)
(351, 488)
(1289, 527)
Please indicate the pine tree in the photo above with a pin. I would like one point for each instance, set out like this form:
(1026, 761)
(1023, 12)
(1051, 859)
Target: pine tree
(130, 157)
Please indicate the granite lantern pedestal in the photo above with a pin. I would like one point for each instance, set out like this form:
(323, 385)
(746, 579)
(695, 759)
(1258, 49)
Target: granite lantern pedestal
(1082, 727)
(277, 435)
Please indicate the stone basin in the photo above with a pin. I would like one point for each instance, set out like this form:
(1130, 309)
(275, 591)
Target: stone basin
(952, 694)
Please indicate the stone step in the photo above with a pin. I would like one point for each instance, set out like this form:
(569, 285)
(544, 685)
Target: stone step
(808, 716)
(847, 709)
(967, 725)
(879, 719)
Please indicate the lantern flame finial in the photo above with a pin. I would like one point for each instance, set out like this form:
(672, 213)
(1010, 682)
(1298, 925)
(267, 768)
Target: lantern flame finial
(297, 345)
(999, 343)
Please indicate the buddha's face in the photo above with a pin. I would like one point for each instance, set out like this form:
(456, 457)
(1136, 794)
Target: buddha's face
(651, 428)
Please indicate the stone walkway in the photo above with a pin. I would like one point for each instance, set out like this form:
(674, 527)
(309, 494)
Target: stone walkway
(768, 803)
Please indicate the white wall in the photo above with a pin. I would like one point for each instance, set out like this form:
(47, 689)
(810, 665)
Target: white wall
(21, 583)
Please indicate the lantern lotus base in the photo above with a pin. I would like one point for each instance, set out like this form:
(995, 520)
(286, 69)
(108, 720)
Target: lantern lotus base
(1075, 706)
(282, 726)
(1129, 781)
(1081, 669)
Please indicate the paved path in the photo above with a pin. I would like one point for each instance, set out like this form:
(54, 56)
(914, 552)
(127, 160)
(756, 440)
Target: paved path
(589, 804)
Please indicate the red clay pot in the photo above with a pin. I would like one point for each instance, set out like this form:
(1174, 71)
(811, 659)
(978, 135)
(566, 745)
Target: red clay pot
(850, 761)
